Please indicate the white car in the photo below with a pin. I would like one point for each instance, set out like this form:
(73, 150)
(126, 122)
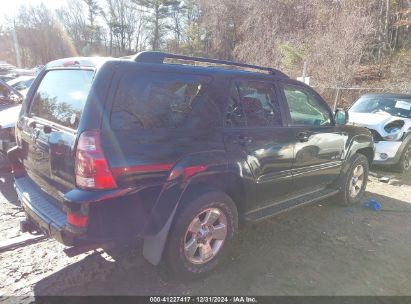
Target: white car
(8, 119)
(21, 84)
(9, 116)
(388, 117)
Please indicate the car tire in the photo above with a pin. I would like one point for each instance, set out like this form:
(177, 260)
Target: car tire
(4, 162)
(354, 182)
(404, 165)
(197, 229)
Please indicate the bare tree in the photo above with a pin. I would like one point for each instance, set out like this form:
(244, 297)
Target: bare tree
(93, 9)
(74, 22)
(158, 11)
(332, 37)
(41, 36)
(222, 20)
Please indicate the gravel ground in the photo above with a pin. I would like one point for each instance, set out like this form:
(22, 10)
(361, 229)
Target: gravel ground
(322, 249)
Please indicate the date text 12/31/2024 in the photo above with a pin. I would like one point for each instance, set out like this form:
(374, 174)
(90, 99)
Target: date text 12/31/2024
(203, 299)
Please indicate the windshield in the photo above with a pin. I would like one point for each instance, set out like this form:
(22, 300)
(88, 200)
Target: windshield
(394, 106)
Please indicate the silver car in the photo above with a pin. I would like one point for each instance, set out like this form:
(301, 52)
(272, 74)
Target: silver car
(388, 117)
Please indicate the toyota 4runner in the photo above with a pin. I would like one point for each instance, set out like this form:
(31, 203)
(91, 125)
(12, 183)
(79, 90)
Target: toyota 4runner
(162, 149)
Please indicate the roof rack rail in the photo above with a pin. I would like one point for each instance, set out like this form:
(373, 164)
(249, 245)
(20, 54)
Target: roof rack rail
(159, 57)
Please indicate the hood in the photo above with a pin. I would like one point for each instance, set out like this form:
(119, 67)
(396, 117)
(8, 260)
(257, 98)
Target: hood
(370, 119)
(9, 116)
(377, 122)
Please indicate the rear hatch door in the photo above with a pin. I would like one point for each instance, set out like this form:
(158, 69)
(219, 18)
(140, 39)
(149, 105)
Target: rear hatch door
(50, 128)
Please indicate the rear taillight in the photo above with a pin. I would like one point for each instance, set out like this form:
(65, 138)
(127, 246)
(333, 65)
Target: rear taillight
(92, 170)
(77, 220)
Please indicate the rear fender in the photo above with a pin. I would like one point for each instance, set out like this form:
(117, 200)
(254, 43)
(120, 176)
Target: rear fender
(212, 175)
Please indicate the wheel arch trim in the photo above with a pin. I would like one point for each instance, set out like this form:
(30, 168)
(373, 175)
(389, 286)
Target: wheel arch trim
(155, 242)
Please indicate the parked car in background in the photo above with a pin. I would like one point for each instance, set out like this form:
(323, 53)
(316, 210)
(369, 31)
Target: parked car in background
(7, 77)
(9, 96)
(8, 119)
(24, 72)
(388, 117)
(6, 68)
(12, 94)
(21, 84)
(115, 149)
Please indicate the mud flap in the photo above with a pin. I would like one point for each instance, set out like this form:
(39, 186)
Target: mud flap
(154, 245)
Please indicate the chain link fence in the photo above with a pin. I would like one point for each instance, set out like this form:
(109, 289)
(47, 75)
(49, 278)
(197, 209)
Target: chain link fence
(340, 97)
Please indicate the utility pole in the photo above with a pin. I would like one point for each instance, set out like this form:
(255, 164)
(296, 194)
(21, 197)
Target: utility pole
(16, 44)
(304, 71)
(337, 97)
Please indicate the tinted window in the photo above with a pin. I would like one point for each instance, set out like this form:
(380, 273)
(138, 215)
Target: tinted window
(305, 108)
(163, 100)
(259, 104)
(61, 96)
(235, 115)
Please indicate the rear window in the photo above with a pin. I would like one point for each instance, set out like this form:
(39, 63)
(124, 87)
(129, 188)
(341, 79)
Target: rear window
(163, 100)
(61, 96)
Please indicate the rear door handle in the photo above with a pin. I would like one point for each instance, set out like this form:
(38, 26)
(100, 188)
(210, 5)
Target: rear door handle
(303, 136)
(243, 140)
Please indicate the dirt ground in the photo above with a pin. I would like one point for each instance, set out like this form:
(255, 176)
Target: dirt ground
(321, 249)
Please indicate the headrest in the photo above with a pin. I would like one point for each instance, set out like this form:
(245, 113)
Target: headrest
(251, 105)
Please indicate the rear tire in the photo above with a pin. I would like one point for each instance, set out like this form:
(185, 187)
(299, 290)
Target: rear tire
(201, 236)
(404, 165)
(354, 182)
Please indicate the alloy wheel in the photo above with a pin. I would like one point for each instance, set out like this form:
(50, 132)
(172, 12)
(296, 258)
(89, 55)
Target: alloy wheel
(357, 181)
(407, 159)
(205, 236)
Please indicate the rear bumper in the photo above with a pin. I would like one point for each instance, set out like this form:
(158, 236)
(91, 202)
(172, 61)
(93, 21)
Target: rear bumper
(112, 215)
(43, 211)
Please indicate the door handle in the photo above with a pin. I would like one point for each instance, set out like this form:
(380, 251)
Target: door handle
(303, 136)
(243, 140)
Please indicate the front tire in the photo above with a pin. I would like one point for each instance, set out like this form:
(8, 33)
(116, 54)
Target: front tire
(4, 162)
(201, 236)
(354, 182)
(404, 164)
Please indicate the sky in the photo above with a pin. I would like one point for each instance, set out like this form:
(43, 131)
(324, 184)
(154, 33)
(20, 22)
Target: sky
(10, 7)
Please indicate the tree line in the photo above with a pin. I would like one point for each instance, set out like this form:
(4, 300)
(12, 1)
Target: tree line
(331, 37)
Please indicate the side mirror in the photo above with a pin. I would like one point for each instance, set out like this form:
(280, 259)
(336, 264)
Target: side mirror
(341, 116)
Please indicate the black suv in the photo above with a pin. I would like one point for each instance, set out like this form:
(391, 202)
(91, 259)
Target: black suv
(176, 154)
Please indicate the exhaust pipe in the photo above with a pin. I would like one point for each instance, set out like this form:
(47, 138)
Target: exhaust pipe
(27, 226)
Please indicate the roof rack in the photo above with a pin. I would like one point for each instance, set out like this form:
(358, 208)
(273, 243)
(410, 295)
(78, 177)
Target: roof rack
(159, 57)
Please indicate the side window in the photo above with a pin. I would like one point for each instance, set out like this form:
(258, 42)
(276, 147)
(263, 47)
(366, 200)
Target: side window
(235, 115)
(259, 104)
(305, 108)
(153, 100)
